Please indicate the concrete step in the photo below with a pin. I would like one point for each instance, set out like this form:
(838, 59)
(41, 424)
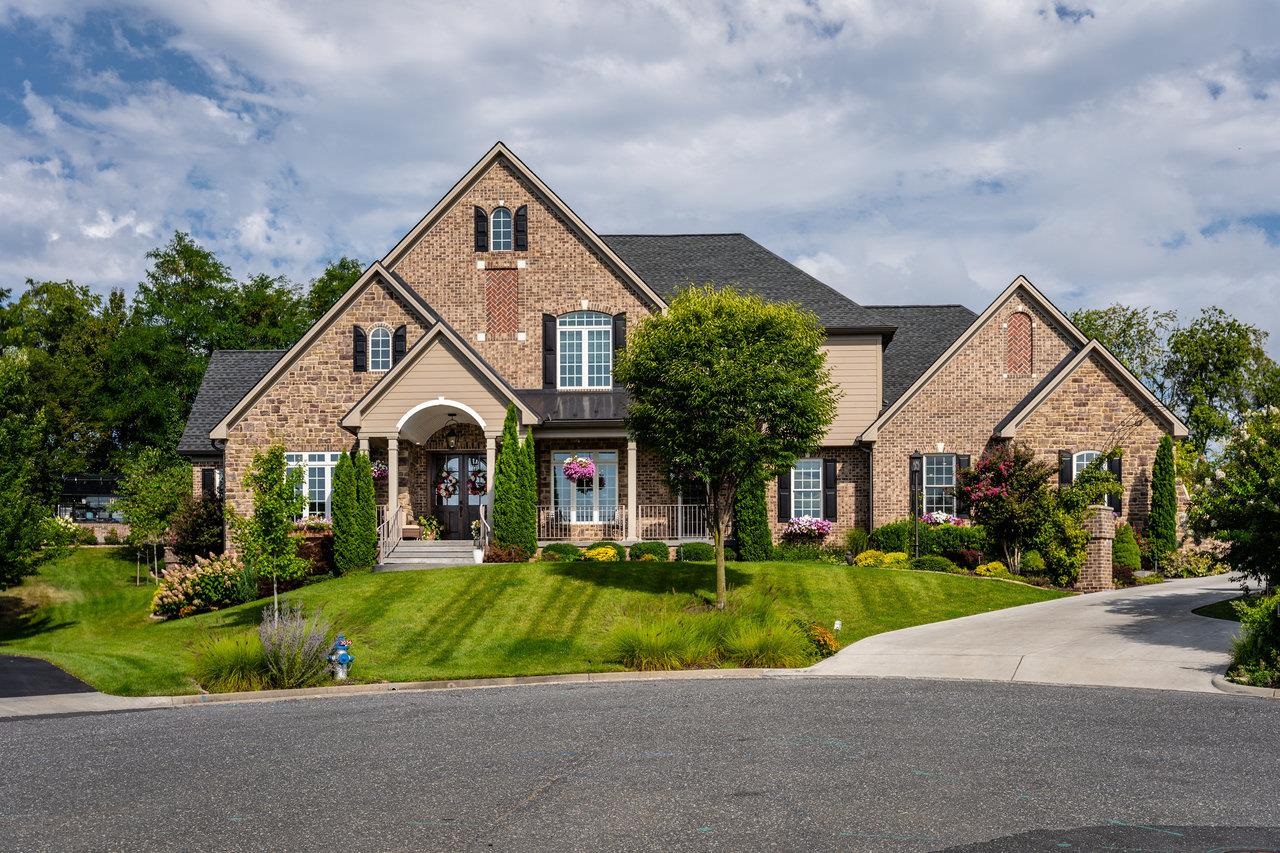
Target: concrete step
(409, 548)
(393, 565)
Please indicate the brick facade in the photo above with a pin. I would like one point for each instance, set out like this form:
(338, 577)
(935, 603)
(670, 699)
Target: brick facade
(851, 493)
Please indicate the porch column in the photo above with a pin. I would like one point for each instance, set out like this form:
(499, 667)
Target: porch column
(364, 445)
(633, 528)
(393, 475)
(490, 458)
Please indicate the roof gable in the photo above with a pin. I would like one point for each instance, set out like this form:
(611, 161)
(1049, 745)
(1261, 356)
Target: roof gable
(375, 274)
(228, 377)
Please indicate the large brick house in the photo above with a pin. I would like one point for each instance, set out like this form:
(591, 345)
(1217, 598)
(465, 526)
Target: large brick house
(502, 295)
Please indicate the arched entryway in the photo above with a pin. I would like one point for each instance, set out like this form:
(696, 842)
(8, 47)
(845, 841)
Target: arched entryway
(446, 461)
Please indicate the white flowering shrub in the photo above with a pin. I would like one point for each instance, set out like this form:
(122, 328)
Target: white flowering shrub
(207, 585)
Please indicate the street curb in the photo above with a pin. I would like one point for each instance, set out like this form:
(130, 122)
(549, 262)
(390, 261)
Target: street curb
(1221, 682)
(60, 705)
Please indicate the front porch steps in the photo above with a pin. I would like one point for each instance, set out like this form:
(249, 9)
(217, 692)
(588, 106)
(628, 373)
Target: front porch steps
(428, 554)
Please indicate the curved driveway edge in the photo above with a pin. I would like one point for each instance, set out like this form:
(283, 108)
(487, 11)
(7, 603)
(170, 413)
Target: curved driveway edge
(1145, 636)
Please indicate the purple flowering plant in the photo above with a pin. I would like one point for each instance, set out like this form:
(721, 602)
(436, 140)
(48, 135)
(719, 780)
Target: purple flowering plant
(807, 528)
(579, 468)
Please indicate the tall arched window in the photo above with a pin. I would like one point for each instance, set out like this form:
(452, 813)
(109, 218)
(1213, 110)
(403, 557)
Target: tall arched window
(1081, 460)
(380, 349)
(1018, 344)
(585, 350)
(500, 225)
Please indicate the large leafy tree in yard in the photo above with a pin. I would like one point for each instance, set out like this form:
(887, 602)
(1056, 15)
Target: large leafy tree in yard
(23, 511)
(1239, 503)
(1139, 337)
(325, 289)
(724, 385)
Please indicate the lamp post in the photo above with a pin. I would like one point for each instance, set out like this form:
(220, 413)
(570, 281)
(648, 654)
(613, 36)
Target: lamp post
(917, 493)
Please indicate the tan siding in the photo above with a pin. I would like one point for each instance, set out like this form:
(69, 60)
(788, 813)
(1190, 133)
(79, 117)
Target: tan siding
(854, 362)
(438, 372)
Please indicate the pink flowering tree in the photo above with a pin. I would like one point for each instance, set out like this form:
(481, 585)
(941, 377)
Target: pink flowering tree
(1009, 495)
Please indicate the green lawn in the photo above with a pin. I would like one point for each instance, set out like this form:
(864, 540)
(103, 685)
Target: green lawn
(84, 614)
(1220, 610)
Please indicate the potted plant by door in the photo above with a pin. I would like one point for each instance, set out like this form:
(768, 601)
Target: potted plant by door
(477, 544)
(430, 526)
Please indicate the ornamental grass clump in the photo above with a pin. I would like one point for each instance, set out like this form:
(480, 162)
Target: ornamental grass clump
(295, 649)
(207, 585)
(231, 665)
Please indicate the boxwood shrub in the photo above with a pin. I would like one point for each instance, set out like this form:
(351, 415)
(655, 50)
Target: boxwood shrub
(618, 549)
(698, 552)
(658, 550)
(797, 552)
(934, 563)
(560, 552)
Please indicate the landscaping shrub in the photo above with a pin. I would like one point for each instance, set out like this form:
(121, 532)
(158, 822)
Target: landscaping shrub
(697, 552)
(664, 642)
(618, 549)
(856, 540)
(348, 538)
(1162, 524)
(206, 585)
(86, 535)
(768, 643)
(969, 558)
(751, 529)
(833, 552)
(366, 507)
(600, 554)
(1032, 563)
(111, 537)
(655, 550)
(934, 563)
(1255, 654)
(870, 557)
(895, 560)
(994, 569)
(797, 552)
(1124, 549)
(230, 665)
(1147, 579)
(822, 640)
(1122, 576)
(1190, 563)
(295, 650)
(197, 529)
(948, 540)
(895, 536)
(560, 552)
(316, 547)
(496, 553)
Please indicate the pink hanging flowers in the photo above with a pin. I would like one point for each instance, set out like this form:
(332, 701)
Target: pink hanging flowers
(579, 469)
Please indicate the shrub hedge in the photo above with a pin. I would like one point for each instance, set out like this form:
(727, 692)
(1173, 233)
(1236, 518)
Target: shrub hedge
(1124, 550)
(698, 552)
(657, 550)
(934, 563)
(618, 549)
(560, 552)
(945, 540)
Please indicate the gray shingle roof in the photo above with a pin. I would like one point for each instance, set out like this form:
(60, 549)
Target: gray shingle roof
(230, 375)
(668, 262)
(924, 333)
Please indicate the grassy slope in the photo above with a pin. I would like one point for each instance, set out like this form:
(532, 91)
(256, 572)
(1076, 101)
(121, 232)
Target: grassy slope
(84, 614)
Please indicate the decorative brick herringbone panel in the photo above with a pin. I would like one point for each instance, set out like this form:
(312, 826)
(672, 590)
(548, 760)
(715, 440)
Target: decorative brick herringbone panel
(1017, 348)
(502, 315)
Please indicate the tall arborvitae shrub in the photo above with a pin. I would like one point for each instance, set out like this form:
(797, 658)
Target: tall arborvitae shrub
(529, 495)
(1163, 530)
(367, 503)
(348, 544)
(508, 485)
(751, 521)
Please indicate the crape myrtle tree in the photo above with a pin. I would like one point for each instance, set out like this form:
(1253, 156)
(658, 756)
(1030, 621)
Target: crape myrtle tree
(723, 386)
(1008, 493)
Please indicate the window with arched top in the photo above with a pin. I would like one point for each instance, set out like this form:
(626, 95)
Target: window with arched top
(1018, 344)
(501, 231)
(585, 350)
(380, 349)
(1081, 460)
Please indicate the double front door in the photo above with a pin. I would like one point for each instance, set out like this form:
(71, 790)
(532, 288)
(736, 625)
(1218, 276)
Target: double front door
(460, 481)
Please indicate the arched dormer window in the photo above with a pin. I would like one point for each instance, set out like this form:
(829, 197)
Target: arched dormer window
(500, 227)
(380, 349)
(1018, 345)
(585, 350)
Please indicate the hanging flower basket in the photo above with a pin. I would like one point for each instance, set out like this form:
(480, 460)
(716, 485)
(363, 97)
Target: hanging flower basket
(579, 469)
(379, 470)
(478, 482)
(806, 528)
(446, 484)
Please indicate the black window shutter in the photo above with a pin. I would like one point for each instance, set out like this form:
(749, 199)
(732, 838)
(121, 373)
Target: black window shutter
(784, 495)
(482, 230)
(359, 350)
(1116, 466)
(208, 482)
(522, 228)
(619, 333)
(548, 351)
(829, 489)
(399, 343)
(1065, 472)
(962, 505)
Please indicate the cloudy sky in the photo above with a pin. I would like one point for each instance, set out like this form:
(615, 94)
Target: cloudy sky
(901, 151)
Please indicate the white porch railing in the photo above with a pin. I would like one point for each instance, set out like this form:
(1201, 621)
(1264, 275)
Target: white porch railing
(605, 522)
(389, 533)
(678, 522)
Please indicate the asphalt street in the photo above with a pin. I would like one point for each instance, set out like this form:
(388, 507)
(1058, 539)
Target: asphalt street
(823, 764)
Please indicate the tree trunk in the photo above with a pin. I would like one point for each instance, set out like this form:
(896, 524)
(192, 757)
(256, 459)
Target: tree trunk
(721, 499)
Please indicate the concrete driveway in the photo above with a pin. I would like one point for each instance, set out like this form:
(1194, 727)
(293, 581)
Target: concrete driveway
(1141, 637)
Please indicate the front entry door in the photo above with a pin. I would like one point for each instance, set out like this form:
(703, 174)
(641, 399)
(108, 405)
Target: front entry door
(459, 484)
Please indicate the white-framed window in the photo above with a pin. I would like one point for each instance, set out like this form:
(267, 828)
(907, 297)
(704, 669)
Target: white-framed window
(940, 483)
(1081, 460)
(586, 501)
(380, 349)
(317, 480)
(500, 230)
(806, 488)
(585, 351)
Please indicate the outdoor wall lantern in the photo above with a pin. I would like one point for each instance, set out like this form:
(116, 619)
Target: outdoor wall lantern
(451, 433)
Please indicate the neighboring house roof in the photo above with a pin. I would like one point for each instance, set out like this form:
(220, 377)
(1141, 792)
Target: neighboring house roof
(501, 152)
(924, 333)
(230, 375)
(671, 261)
(375, 272)
(1021, 283)
(1008, 427)
(553, 405)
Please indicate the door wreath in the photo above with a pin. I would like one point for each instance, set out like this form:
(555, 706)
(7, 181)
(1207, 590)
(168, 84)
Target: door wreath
(446, 484)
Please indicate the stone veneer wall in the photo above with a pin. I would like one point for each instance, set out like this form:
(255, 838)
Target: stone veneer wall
(304, 408)
(560, 271)
(961, 404)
